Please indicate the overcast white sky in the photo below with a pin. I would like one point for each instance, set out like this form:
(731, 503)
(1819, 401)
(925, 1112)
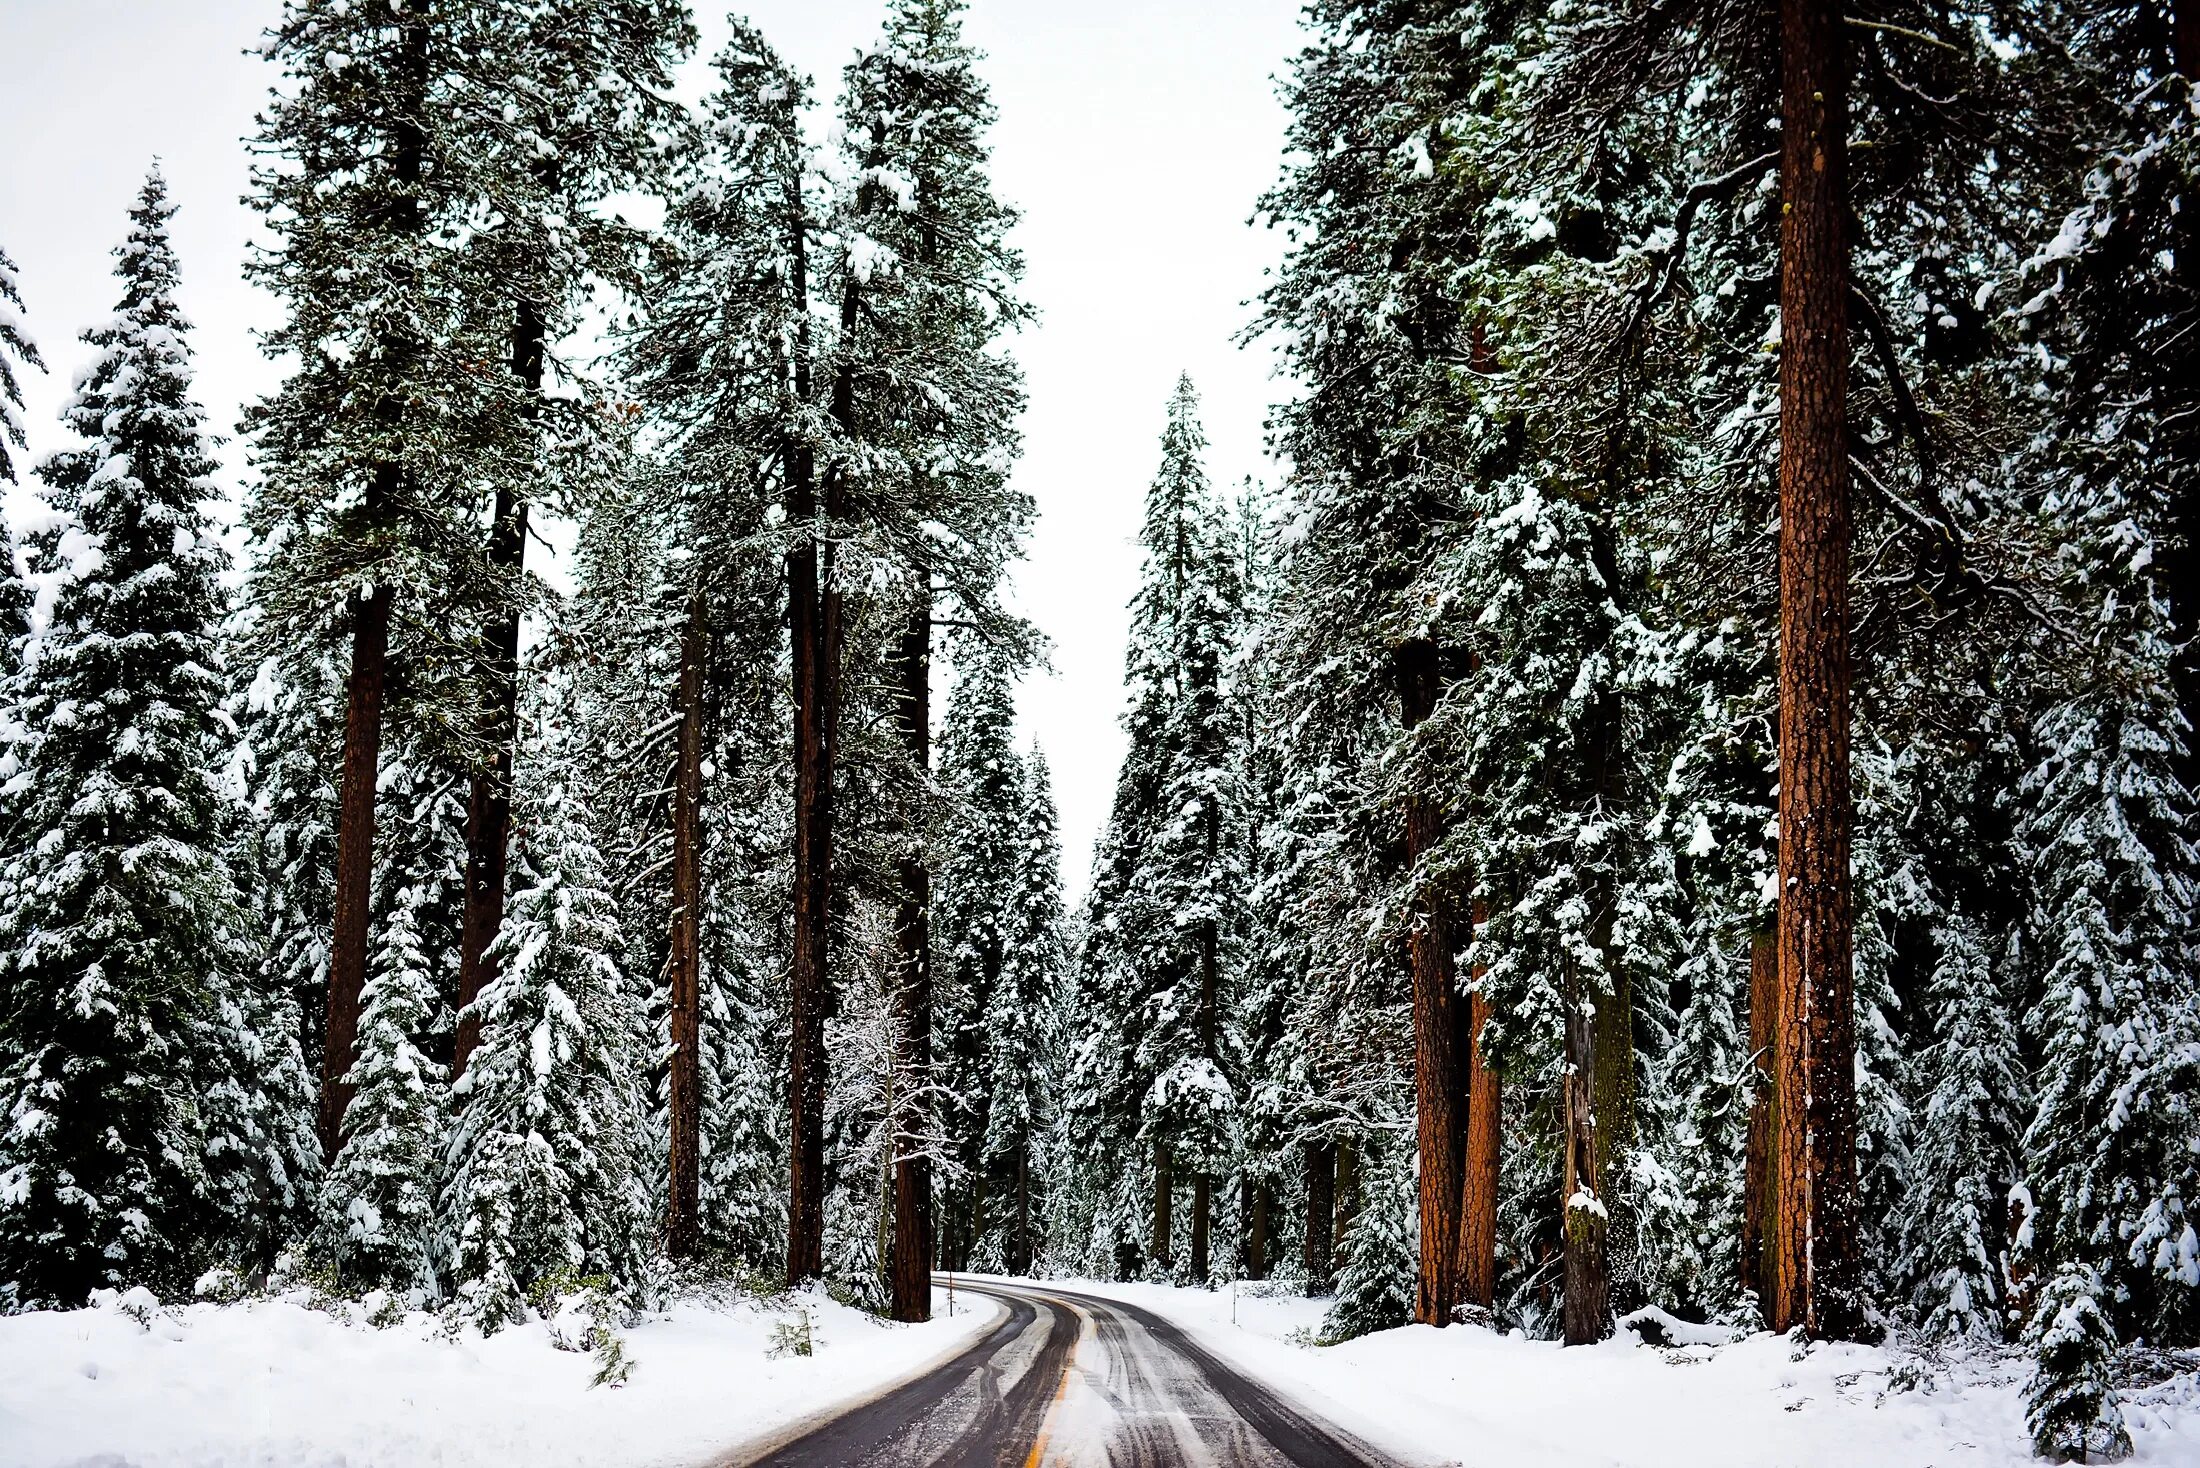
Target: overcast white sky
(1134, 134)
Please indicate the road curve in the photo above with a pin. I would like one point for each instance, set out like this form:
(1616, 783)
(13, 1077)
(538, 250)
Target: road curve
(1073, 1381)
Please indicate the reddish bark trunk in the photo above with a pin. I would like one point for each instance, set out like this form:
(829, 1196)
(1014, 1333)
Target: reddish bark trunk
(1479, 1186)
(1817, 1172)
(347, 970)
(1439, 1024)
(683, 962)
(910, 1270)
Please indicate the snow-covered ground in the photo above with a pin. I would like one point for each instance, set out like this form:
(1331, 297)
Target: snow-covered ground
(1470, 1396)
(273, 1382)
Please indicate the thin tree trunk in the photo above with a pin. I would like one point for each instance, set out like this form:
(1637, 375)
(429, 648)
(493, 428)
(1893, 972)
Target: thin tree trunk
(1760, 1158)
(683, 964)
(1479, 1186)
(1317, 1248)
(347, 972)
(1583, 1211)
(1022, 1262)
(1348, 1195)
(1164, 1189)
(1253, 1207)
(489, 802)
(912, 1265)
(1817, 1173)
(1439, 1023)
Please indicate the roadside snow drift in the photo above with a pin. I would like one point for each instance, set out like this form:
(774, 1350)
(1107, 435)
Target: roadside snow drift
(271, 1382)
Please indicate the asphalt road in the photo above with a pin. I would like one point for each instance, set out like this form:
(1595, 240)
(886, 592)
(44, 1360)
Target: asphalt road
(1078, 1382)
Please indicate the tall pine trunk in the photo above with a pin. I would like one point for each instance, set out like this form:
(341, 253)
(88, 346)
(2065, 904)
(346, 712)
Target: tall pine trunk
(683, 963)
(1816, 1241)
(1439, 1024)
(1315, 1250)
(353, 900)
(489, 801)
(1479, 1180)
(911, 1267)
(347, 969)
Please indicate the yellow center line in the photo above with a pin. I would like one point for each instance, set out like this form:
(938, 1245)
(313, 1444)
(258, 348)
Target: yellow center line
(1061, 1390)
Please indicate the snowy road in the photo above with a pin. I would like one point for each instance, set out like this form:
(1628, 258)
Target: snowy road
(1078, 1381)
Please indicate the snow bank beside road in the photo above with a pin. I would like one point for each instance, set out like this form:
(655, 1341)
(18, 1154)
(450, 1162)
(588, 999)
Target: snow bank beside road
(1468, 1395)
(274, 1382)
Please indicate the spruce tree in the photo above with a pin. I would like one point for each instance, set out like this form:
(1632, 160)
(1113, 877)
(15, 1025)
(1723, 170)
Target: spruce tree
(2070, 1403)
(378, 1225)
(125, 949)
(16, 348)
(546, 1166)
(1021, 1025)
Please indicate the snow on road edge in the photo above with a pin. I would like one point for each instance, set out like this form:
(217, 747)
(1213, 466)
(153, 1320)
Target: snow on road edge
(274, 1381)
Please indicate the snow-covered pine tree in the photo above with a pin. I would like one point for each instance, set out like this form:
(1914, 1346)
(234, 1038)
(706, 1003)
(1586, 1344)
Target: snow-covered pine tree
(2070, 1403)
(1376, 1285)
(1964, 1159)
(1022, 1034)
(974, 915)
(927, 403)
(727, 358)
(546, 1164)
(17, 348)
(1168, 877)
(571, 101)
(375, 451)
(378, 1225)
(122, 942)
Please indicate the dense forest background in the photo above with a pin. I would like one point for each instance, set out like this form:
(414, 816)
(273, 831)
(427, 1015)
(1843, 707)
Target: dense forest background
(1682, 798)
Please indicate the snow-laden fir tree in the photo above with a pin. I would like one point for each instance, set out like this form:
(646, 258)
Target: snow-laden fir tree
(547, 1166)
(378, 1226)
(2070, 1403)
(122, 942)
(1963, 1161)
(974, 914)
(1022, 1020)
(1168, 874)
(1375, 1285)
(17, 350)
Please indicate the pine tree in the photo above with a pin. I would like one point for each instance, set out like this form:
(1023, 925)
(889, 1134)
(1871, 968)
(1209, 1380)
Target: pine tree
(1964, 1162)
(2070, 1403)
(16, 346)
(546, 1172)
(124, 940)
(1021, 1022)
(1167, 881)
(378, 1226)
(1376, 1286)
(980, 873)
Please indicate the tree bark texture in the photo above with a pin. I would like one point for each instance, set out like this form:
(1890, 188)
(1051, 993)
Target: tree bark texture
(489, 800)
(1760, 1158)
(1253, 1206)
(683, 961)
(1583, 1211)
(1816, 1240)
(1479, 1182)
(911, 1271)
(1202, 1208)
(347, 971)
(1317, 1248)
(1439, 1027)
